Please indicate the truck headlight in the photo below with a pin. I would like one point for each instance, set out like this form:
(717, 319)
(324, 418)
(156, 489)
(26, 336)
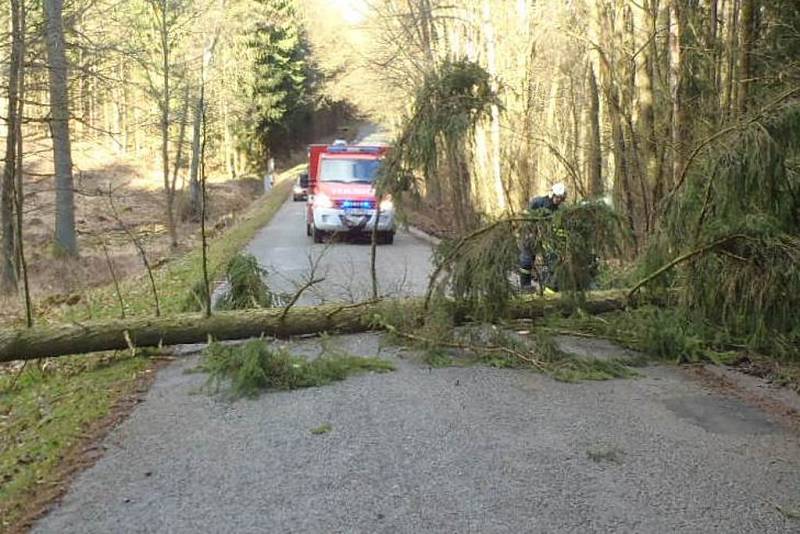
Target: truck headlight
(387, 204)
(322, 201)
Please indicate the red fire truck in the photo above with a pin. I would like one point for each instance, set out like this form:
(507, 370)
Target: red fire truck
(341, 185)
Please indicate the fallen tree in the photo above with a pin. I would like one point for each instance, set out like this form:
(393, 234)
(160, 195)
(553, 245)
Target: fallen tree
(120, 334)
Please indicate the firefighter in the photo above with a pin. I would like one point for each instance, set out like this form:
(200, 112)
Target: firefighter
(527, 253)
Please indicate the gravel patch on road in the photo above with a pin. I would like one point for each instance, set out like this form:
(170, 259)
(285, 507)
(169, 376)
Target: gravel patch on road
(460, 449)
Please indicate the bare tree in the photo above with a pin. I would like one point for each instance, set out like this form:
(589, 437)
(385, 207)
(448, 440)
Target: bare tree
(194, 187)
(164, 19)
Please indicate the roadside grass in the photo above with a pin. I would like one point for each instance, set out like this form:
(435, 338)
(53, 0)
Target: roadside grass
(437, 358)
(46, 407)
(45, 415)
(249, 369)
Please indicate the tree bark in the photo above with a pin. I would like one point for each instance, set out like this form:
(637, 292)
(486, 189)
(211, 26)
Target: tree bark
(194, 184)
(495, 157)
(645, 79)
(679, 73)
(729, 96)
(8, 272)
(65, 237)
(594, 154)
(160, 8)
(745, 53)
(22, 266)
(50, 340)
(229, 150)
(184, 119)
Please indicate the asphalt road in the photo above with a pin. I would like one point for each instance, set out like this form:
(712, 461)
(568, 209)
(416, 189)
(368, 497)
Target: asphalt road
(290, 257)
(460, 449)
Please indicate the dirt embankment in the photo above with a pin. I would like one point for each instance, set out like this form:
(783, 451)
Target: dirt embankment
(137, 187)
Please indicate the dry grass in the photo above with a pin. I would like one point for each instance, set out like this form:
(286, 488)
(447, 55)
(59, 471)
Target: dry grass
(138, 193)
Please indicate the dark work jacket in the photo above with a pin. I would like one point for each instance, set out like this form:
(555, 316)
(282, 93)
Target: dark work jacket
(542, 203)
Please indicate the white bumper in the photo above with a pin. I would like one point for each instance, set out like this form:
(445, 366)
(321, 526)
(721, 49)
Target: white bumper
(337, 220)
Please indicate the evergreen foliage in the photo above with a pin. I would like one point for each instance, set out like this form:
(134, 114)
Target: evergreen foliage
(580, 236)
(255, 366)
(746, 197)
(480, 269)
(282, 85)
(247, 286)
(434, 139)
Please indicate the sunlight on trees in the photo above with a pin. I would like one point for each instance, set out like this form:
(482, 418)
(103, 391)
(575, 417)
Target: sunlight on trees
(609, 96)
(126, 79)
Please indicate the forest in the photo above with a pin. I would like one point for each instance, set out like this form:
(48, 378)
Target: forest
(682, 115)
(138, 136)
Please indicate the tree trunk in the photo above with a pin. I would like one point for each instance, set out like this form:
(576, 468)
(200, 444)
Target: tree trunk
(194, 183)
(745, 53)
(594, 155)
(65, 237)
(645, 79)
(729, 96)
(711, 99)
(119, 334)
(161, 7)
(124, 109)
(494, 159)
(678, 70)
(228, 142)
(178, 164)
(22, 266)
(8, 273)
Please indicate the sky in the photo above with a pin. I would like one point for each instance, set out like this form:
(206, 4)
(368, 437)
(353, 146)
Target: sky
(353, 11)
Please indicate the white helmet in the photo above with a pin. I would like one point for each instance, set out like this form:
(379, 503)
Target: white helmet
(559, 190)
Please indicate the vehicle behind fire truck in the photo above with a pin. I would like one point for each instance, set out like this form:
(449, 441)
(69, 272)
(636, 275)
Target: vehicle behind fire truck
(342, 199)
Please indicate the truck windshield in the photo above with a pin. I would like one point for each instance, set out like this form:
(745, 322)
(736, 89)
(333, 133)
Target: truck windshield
(363, 171)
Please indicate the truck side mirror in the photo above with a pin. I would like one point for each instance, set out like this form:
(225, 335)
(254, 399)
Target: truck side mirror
(304, 179)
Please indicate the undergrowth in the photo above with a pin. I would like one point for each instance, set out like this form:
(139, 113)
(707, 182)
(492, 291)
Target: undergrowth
(249, 369)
